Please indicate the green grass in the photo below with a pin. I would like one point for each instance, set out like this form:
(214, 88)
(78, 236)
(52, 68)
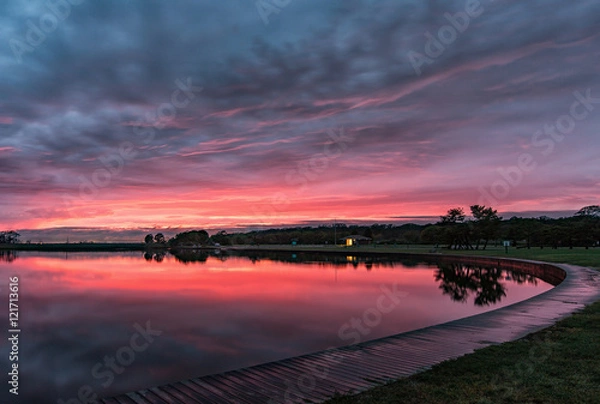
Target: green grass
(575, 256)
(557, 365)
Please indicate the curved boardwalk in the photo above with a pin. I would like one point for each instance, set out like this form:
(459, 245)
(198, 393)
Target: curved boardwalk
(316, 377)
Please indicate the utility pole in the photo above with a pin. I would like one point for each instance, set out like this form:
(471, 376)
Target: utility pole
(334, 233)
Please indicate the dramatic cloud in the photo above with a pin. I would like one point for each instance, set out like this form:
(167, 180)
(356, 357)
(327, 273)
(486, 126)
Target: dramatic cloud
(129, 114)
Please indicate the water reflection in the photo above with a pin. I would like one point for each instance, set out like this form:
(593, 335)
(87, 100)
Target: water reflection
(8, 255)
(220, 311)
(157, 256)
(190, 256)
(485, 283)
(460, 281)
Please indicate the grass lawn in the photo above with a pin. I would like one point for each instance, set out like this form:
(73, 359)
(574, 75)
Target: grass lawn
(576, 256)
(560, 364)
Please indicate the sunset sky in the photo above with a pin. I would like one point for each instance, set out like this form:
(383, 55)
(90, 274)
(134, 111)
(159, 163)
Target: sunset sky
(236, 113)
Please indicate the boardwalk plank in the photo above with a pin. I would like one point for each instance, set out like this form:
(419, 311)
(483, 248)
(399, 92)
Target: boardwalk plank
(205, 396)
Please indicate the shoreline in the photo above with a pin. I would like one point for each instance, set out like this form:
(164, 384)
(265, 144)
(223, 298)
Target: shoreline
(74, 247)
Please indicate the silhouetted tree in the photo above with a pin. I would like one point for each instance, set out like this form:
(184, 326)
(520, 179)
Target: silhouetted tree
(148, 239)
(517, 229)
(193, 237)
(9, 237)
(486, 224)
(586, 230)
(592, 210)
(455, 215)
(457, 230)
(221, 237)
(453, 229)
(433, 234)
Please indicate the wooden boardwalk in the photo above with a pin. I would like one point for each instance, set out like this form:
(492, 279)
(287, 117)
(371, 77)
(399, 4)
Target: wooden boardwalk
(316, 377)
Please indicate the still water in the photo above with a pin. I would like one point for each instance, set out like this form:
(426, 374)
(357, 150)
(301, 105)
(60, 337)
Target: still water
(99, 324)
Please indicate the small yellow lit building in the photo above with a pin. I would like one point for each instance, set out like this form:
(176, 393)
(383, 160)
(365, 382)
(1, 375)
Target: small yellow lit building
(356, 240)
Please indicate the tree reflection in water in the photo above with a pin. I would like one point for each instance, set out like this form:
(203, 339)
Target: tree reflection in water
(485, 283)
(188, 256)
(156, 256)
(8, 255)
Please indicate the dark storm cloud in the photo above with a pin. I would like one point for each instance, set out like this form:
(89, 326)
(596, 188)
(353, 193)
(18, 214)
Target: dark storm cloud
(271, 92)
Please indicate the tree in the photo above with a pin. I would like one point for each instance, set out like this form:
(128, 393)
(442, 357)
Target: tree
(412, 237)
(433, 234)
(159, 238)
(193, 237)
(239, 240)
(586, 229)
(457, 231)
(9, 237)
(528, 229)
(551, 235)
(486, 224)
(592, 210)
(148, 239)
(455, 215)
(221, 238)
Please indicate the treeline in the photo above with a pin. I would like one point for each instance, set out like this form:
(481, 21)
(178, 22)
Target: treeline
(380, 233)
(456, 230)
(189, 238)
(9, 237)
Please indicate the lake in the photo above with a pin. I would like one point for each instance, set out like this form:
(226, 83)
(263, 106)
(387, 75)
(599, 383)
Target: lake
(107, 323)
